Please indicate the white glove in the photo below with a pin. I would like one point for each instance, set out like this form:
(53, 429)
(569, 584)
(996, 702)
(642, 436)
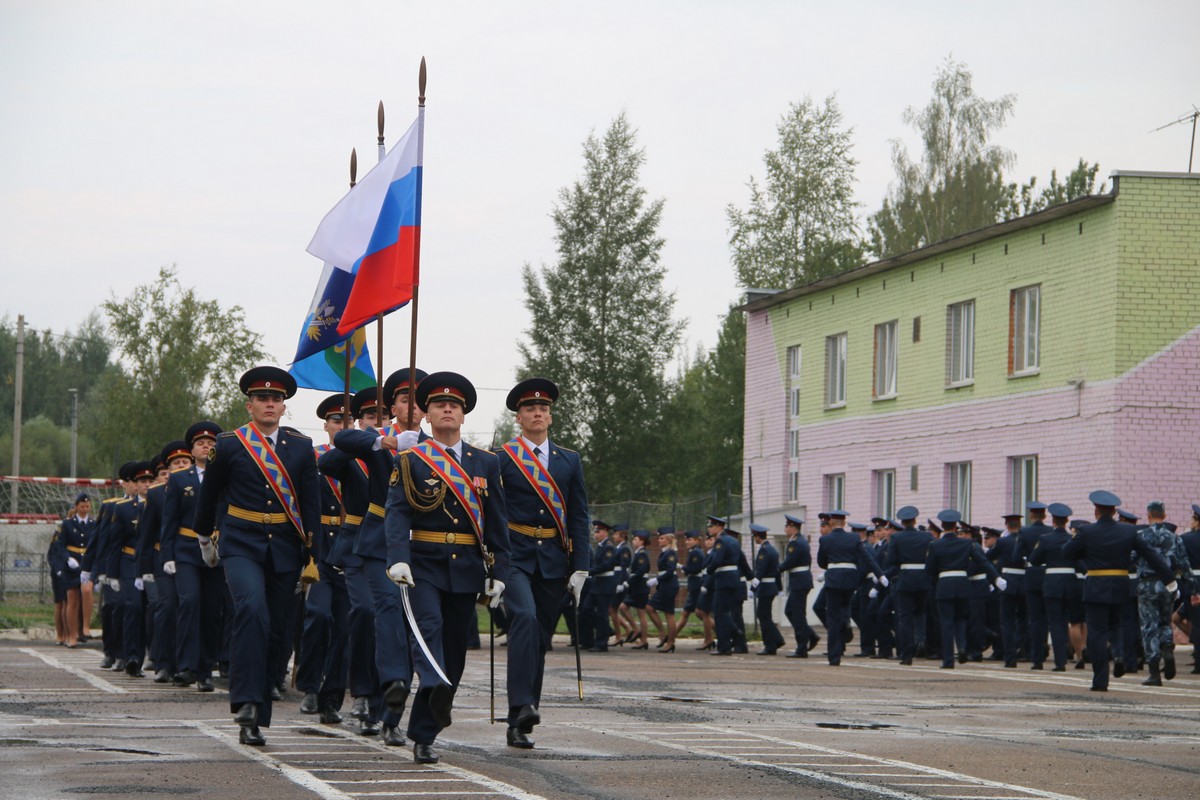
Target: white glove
(1001, 584)
(622, 587)
(148, 578)
(494, 590)
(169, 567)
(883, 581)
(401, 574)
(139, 584)
(873, 594)
(749, 592)
(575, 583)
(1173, 587)
(114, 584)
(652, 582)
(102, 579)
(754, 583)
(703, 590)
(72, 563)
(208, 551)
(85, 577)
(58, 573)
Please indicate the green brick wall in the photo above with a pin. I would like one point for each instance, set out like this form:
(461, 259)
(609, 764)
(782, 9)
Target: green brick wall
(1099, 269)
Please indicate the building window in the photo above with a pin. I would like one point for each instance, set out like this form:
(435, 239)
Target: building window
(793, 444)
(835, 371)
(835, 490)
(1024, 325)
(960, 343)
(1024, 482)
(958, 488)
(793, 365)
(885, 360)
(793, 486)
(885, 493)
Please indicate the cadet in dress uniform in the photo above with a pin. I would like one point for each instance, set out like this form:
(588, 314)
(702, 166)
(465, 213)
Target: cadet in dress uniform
(724, 568)
(693, 566)
(268, 476)
(1007, 558)
(766, 589)
(619, 611)
(123, 563)
(705, 603)
(199, 587)
(159, 585)
(1155, 603)
(1191, 605)
(948, 562)
(665, 584)
(1035, 602)
(321, 667)
(447, 539)
(797, 565)
(95, 563)
(911, 584)
(602, 586)
(1105, 547)
(637, 595)
(1059, 584)
(843, 555)
(548, 535)
(1131, 631)
(73, 539)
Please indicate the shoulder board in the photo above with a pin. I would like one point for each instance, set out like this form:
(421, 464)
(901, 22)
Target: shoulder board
(226, 435)
(566, 449)
(110, 500)
(294, 432)
(182, 469)
(124, 500)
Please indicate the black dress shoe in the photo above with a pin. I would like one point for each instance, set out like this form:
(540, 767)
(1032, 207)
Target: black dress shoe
(205, 685)
(162, 676)
(765, 653)
(134, 670)
(721, 653)
(1118, 669)
(392, 737)
(359, 709)
(515, 738)
(813, 642)
(1036, 666)
(862, 654)
(251, 735)
(1059, 668)
(962, 658)
(906, 662)
(946, 665)
(1196, 669)
(247, 716)
(1010, 665)
(798, 654)
(527, 717)
(369, 729)
(276, 695)
(1168, 671)
(423, 754)
(118, 665)
(184, 678)
(1099, 688)
(440, 699)
(106, 662)
(330, 716)
(309, 705)
(395, 696)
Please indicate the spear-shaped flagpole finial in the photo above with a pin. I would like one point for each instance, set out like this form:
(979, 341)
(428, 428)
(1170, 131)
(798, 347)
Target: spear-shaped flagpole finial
(380, 117)
(353, 166)
(421, 84)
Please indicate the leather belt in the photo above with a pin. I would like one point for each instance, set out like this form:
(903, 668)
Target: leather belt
(1060, 570)
(794, 570)
(129, 551)
(1196, 572)
(726, 568)
(352, 520)
(329, 519)
(1013, 571)
(189, 533)
(1108, 573)
(443, 537)
(953, 573)
(529, 530)
(264, 517)
(981, 576)
(842, 565)
(766, 580)
(912, 566)
(376, 510)
(81, 550)
(608, 574)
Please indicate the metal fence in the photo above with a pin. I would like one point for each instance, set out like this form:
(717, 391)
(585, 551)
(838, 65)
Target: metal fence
(26, 575)
(682, 514)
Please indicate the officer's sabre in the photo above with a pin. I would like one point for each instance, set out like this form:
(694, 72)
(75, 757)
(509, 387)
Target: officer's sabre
(492, 657)
(578, 662)
(412, 625)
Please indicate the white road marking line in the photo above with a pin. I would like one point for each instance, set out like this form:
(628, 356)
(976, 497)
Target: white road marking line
(408, 780)
(1065, 682)
(99, 683)
(299, 777)
(421, 794)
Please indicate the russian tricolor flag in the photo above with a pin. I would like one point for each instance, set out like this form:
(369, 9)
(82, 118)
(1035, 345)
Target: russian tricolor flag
(374, 234)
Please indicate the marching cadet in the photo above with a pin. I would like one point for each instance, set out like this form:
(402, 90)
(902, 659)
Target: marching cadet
(905, 565)
(948, 562)
(1035, 602)
(692, 567)
(1007, 558)
(724, 567)
(375, 449)
(843, 555)
(766, 589)
(665, 584)
(1155, 603)
(1059, 585)
(1191, 605)
(199, 587)
(797, 565)
(76, 531)
(321, 666)
(603, 585)
(56, 561)
(95, 562)
(267, 475)
(549, 551)
(1077, 617)
(159, 585)
(123, 563)
(637, 594)
(619, 611)
(447, 541)
(704, 605)
(977, 631)
(1105, 547)
(1131, 629)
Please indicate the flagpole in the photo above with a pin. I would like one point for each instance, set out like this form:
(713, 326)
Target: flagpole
(412, 345)
(350, 341)
(379, 318)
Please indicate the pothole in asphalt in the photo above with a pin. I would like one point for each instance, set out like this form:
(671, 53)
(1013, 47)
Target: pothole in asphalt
(317, 732)
(671, 699)
(855, 726)
(131, 789)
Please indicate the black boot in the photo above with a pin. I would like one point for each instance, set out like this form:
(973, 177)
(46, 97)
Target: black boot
(1154, 679)
(1169, 662)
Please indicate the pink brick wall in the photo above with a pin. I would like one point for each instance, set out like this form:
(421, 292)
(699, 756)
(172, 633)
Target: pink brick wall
(765, 446)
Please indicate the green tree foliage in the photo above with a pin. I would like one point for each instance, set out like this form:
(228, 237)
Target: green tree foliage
(45, 448)
(801, 222)
(601, 324)
(181, 356)
(958, 184)
(1080, 182)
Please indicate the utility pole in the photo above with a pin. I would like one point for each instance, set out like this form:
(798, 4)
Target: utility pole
(18, 387)
(74, 428)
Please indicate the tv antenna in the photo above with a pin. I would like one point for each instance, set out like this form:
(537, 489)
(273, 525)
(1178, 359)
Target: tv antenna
(1190, 116)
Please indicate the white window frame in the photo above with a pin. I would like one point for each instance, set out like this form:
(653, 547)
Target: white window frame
(835, 370)
(793, 485)
(1024, 482)
(886, 353)
(960, 344)
(835, 490)
(958, 487)
(1025, 328)
(793, 367)
(885, 493)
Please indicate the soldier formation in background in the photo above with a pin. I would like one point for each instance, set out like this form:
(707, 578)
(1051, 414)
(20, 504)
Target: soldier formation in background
(363, 562)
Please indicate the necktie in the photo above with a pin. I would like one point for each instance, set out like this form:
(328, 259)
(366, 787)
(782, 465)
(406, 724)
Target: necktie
(453, 454)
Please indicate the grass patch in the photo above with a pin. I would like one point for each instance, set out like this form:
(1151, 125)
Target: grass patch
(19, 612)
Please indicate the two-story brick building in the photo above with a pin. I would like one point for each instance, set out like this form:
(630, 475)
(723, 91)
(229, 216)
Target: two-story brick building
(1038, 358)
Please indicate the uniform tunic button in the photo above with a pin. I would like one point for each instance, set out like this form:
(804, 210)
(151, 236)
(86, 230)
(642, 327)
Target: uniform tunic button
(453, 555)
(455, 522)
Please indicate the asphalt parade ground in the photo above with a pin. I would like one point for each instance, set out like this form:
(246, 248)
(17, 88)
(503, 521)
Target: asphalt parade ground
(682, 725)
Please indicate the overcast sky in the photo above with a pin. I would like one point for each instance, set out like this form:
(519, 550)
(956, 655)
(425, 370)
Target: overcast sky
(216, 135)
